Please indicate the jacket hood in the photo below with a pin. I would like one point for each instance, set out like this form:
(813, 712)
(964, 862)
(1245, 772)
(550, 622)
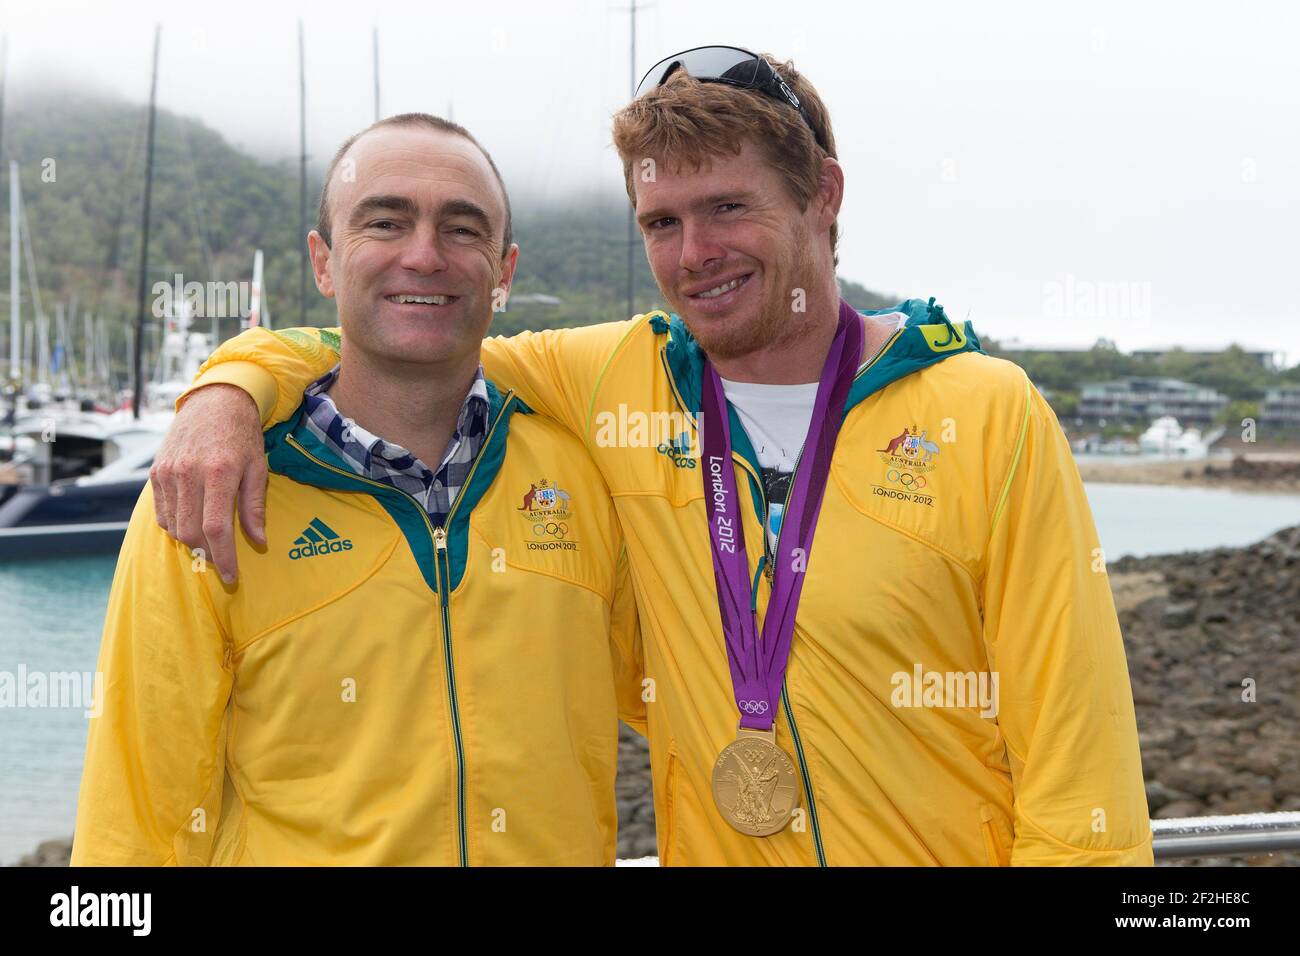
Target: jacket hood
(927, 337)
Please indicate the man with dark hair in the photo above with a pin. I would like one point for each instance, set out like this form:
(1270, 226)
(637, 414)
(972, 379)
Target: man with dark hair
(412, 670)
(876, 625)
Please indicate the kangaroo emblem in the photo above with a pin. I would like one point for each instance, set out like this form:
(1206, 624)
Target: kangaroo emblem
(894, 443)
(530, 499)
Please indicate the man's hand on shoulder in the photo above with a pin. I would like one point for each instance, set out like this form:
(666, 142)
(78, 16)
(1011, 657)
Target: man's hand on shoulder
(213, 454)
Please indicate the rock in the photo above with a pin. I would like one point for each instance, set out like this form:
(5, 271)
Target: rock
(636, 814)
(1261, 762)
(1251, 782)
(1158, 795)
(1216, 615)
(1246, 802)
(49, 853)
(1179, 614)
(1196, 777)
(1287, 785)
(1180, 808)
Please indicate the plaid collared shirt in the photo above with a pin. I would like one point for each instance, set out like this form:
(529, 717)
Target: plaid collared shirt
(372, 457)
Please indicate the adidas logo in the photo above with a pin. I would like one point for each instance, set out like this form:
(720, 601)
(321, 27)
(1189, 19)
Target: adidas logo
(679, 450)
(317, 539)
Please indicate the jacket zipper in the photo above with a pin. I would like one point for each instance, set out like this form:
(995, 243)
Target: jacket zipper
(442, 572)
(785, 697)
(443, 563)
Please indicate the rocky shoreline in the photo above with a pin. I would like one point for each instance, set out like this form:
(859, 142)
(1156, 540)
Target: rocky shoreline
(1213, 644)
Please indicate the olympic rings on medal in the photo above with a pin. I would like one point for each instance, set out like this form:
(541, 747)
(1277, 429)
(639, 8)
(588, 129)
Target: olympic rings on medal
(754, 706)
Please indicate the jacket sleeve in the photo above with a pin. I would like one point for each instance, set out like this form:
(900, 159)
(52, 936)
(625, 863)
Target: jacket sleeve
(154, 771)
(625, 648)
(555, 372)
(273, 367)
(1065, 706)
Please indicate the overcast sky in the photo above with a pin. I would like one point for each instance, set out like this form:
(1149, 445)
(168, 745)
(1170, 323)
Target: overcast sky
(1053, 172)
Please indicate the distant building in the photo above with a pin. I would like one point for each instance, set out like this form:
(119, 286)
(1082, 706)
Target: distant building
(535, 298)
(1281, 408)
(1141, 400)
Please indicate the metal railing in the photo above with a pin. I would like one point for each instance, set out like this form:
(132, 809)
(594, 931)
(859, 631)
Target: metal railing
(1237, 835)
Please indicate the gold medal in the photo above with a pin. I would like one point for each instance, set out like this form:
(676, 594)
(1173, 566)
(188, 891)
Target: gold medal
(754, 783)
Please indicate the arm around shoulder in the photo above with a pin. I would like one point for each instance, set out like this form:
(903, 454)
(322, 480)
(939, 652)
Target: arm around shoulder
(273, 367)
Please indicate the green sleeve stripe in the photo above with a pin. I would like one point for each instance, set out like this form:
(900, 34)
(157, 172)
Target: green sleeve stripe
(591, 405)
(308, 346)
(1015, 461)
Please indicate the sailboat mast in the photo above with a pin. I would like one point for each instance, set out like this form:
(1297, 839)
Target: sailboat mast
(137, 345)
(43, 349)
(4, 70)
(15, 323)
(376, 48)
(89, 385)
(255, 305)
(302, 179)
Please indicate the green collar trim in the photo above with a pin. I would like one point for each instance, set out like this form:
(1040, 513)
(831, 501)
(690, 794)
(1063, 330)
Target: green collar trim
(321, 467)
(927, 337)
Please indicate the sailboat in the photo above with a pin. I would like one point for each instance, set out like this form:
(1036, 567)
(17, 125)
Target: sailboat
(71, 509)
(52, 434)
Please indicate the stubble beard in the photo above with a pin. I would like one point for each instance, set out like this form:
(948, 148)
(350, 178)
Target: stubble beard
(777, 321)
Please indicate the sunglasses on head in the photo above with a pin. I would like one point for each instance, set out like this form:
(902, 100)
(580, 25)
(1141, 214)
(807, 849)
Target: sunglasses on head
(730, 65)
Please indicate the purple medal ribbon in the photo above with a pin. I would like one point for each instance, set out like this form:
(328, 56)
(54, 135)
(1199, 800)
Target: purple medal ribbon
(758, 661)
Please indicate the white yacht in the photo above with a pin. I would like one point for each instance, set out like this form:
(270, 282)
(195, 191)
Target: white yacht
(1168, 439)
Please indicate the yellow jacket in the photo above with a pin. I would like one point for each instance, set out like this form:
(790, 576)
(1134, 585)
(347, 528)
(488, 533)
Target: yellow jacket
(374, 690)
(955, 545)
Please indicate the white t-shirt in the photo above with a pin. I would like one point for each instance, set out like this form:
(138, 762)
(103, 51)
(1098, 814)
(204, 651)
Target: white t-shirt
(776, 419)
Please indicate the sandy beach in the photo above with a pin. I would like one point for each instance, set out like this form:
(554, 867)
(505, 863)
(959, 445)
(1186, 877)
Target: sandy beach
(1277, 472)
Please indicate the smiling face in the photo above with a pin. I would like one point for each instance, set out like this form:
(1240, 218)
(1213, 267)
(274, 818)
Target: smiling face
(729, 246)
(417, 217)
